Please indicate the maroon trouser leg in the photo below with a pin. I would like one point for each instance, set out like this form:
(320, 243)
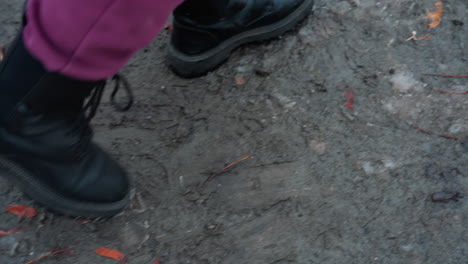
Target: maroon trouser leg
(92, 39)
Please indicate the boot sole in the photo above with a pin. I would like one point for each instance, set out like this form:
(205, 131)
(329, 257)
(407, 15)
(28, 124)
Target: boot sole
(190, 66)
(54, 201)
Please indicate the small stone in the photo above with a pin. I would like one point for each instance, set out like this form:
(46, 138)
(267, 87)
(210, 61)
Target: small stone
(407, 248)
(368, 168)
(319, 147)
(458, 127)
(211, 227)
(7, 243)
(355, 3)
(23, 247)
(133, 236)
(285, 101)
(404, 82)
(342, 8)
(244, 68)
(346, 113)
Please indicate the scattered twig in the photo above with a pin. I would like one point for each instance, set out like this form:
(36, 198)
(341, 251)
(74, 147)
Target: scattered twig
(9, 232)
(447, 92)
(446, 75)
(228, 167)
(50, 254)
(413, 37)
(435, 134)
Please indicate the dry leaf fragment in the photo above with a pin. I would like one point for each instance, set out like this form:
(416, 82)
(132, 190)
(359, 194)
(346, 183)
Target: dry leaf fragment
(349, 95)
(240, 80)
(22, 210)
(110, 253)
(435, 16)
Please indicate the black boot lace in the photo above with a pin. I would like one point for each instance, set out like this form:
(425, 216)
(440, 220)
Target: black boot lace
(90, 108)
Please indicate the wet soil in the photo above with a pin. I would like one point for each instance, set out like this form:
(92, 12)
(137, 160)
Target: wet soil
(326, 184)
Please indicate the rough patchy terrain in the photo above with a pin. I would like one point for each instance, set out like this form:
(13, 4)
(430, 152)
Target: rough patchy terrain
(326, 184)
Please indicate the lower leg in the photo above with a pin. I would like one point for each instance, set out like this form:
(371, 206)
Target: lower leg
(59, 61)
(90, 39)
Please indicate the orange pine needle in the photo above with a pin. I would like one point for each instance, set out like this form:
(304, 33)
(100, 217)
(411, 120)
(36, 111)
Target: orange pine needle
(435, 16)
(229, 166)
(45, 256)
(235, 163)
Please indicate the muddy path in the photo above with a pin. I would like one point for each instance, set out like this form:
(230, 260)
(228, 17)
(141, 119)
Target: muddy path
(329, 182)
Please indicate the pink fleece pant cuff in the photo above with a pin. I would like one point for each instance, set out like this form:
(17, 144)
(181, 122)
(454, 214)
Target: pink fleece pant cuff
(92, 39)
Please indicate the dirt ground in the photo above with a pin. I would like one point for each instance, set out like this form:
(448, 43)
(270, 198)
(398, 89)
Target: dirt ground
(326, 184)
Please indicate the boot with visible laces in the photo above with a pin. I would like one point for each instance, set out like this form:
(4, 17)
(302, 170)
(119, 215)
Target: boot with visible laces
(45, 139)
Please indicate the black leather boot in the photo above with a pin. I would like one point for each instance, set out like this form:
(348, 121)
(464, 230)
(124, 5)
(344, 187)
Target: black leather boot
(45, 139)
(206, 31)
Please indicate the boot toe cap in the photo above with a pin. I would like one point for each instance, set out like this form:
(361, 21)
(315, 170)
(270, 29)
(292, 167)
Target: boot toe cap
(102, 180)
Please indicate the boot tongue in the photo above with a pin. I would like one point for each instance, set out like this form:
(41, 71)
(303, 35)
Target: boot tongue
(56, 92)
